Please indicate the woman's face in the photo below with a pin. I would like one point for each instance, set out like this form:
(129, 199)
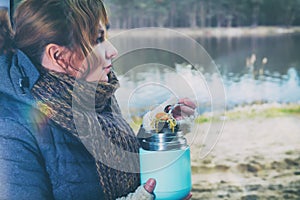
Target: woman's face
(105, 52)
(95, 69)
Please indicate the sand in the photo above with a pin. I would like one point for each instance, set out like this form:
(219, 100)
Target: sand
(257, 158)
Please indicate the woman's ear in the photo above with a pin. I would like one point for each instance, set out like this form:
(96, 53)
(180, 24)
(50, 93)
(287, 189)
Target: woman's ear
(55, 58)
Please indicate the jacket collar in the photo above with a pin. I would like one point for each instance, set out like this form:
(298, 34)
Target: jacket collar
(27, 70)
(18, 76)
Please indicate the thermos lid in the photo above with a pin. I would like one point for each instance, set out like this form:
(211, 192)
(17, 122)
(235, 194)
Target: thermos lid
(163, 141)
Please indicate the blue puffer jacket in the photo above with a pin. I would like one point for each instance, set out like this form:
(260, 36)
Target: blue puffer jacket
(38, 160)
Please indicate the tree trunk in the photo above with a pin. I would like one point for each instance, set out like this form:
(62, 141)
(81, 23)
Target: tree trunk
(202, 14)
(193, 16)
(255, 14)
(172, 14)
(229, 19)
(219, 20)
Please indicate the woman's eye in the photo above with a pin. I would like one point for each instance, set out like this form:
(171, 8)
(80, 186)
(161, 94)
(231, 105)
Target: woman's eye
(100, 37)
(107, 26)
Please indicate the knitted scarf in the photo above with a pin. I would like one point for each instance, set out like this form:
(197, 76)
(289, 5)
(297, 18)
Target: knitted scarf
(90, 112)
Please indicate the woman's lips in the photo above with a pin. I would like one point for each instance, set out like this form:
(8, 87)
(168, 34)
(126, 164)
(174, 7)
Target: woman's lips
(107, 68)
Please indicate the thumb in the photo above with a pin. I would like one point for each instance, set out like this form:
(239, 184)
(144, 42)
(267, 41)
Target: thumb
(150, 185)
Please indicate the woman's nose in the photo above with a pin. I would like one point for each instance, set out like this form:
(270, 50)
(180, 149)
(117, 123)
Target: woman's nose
(110, 51)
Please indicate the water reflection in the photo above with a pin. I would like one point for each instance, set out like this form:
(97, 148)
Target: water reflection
(253, 69)
(230, 53)
(263, 88)
(156, 85)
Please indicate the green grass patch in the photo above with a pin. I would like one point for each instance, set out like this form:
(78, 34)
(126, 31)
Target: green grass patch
(294, 110)
(251, 112)
(247, 112)
(136, 123)
(202, 119)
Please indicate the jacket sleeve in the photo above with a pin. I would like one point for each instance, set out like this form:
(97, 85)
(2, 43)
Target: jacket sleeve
(22, 171)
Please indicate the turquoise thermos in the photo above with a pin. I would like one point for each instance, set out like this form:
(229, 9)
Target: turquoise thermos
(166, 158)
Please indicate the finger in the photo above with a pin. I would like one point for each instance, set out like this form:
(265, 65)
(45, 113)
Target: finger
(150, 185)
(183, 111)
(186, 111)
(178, 118)
(188, 196)
(176, 111)
(187, 102)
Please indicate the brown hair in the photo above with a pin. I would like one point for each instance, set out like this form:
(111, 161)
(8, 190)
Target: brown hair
(6, 32)
(73, 24)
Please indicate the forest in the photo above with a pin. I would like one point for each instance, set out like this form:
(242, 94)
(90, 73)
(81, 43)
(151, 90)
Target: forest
(203, 13)
(125, 14)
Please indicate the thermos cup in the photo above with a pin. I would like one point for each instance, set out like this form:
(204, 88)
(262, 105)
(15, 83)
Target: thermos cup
(165, 156)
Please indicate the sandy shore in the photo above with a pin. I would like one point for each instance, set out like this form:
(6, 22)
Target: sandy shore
(257, 158)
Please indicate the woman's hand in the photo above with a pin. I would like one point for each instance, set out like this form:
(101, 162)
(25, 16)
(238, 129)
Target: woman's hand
(150, 186)
(143, 192)
(184, 108)
(184, 112)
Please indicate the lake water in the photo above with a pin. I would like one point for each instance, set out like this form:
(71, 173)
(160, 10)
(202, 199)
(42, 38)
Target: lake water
(271, 76)
(250, 69)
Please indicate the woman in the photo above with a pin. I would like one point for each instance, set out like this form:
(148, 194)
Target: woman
(59, 46)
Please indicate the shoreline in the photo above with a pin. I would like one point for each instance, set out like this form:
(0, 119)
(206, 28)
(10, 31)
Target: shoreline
(249, 111)
(252, 111)
(259, 31)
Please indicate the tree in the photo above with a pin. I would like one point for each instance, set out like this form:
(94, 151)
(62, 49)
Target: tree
(291, 10)
(201, 13)
(255, 6)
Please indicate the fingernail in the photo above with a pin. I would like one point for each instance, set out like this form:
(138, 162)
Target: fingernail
(188, 197)
(150, 185)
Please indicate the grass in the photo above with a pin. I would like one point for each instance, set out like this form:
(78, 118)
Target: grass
(250, 112)
(246, 112)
